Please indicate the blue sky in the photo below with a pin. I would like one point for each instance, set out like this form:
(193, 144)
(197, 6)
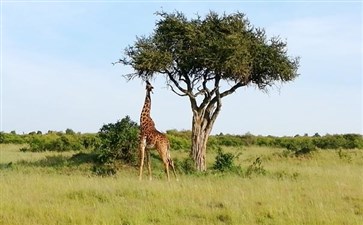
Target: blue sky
(56, 67)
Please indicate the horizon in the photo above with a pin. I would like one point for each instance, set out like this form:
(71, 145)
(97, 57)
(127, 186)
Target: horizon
(180, 131)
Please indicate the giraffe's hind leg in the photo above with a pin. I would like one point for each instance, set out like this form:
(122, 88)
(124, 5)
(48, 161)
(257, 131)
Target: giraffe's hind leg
(148, 159)
(163, 152)
(166, 165)
(171, 164)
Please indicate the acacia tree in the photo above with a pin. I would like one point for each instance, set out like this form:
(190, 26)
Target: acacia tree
(207, 59)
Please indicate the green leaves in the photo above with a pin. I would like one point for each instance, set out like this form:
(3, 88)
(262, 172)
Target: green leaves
(224, 161)
(145, 58)
(201, 49)
(118, 141)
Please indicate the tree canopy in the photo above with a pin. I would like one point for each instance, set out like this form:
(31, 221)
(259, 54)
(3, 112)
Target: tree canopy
(193, 52)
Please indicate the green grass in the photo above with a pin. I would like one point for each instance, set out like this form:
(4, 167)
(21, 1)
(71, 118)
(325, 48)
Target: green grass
(53, 188)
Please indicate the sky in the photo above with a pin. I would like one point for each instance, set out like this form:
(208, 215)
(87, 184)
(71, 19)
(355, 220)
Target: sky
(56, 70)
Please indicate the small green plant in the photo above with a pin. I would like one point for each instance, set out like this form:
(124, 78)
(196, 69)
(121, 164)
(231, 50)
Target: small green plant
(104, 170)
(285, 153)
(224, 218)
(24, 149)
(224, 161)
(256, 168)
(282, 175)
(343, 155)
(185, 166)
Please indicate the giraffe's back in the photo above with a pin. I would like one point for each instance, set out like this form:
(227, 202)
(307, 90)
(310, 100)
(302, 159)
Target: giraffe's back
(155, 139)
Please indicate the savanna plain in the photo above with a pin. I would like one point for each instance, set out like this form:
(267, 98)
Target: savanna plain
(325, 187)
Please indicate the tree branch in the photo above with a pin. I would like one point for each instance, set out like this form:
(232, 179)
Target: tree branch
(232, 89)
(219, 106)
(219, 96)
(186, 92)
(205, 88)
(175, 82)
(200, 91)
(173, 90)
(119, 61)
(207, 99)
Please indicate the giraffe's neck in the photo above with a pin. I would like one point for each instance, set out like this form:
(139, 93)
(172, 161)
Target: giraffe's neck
(145, 113)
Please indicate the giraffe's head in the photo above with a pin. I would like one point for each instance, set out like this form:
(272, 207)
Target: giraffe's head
(149, 87)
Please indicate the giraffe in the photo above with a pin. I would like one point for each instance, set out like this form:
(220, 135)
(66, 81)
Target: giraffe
(150, 138)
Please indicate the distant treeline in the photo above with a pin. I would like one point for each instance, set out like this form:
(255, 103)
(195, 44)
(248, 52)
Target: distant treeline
(51, 141)
(181, 140)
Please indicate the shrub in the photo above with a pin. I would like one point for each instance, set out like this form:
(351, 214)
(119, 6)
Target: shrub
(344, 155)
(353, 141)
(224, 161)
(54, 142)
(305, 148)
(186, 166)
(118, 141)
(104, 170)
(70, 131)
(11, 138)
(300, 146)
(230, 141)
(255, 168)
(180, 140)
(90, 141)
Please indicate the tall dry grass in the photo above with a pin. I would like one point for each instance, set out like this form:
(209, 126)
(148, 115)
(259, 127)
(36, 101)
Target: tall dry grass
(325, 188)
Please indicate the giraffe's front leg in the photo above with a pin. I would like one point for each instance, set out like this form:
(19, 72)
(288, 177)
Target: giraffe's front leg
(142, 146)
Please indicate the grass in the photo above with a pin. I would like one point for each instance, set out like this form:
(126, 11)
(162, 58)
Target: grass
(53, 188)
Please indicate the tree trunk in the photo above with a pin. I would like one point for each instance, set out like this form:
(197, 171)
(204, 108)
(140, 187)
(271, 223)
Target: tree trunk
(199, 144)
(204, 114)
(201, 128)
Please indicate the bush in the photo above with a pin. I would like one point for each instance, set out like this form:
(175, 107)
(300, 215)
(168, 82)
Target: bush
(104, 170)
(90, 141)
(215, 141)
(11, 138)
(179, 140)
(118, 141)
(255, 168)
(224, 161)
(299, 145)
(186, 166)
(344, 155)
(54, 142)
(305, 148)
